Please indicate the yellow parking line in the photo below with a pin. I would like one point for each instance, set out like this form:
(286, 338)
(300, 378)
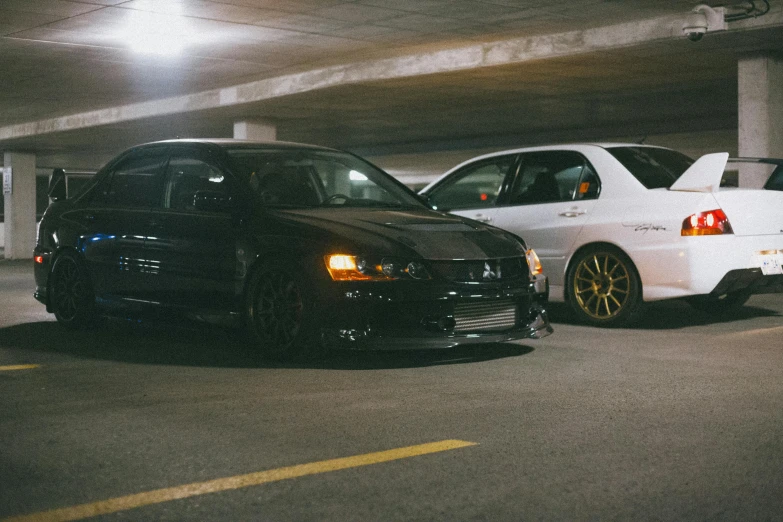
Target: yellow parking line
(18, 367)
(157, 496)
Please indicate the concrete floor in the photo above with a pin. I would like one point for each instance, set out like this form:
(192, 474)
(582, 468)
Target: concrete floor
(680, 417)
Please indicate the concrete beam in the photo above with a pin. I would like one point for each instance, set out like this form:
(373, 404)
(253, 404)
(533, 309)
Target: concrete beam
(476, 56)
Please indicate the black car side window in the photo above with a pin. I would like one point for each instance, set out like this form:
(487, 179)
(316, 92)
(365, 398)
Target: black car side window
(134, 182)
(195, 185)
(775, 181)
(552, 176)
(475, 186)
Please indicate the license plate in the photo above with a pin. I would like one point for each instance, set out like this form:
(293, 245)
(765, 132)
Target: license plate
(771, 264)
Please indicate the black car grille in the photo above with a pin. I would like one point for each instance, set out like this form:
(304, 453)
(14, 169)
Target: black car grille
(488, 316)
(485, 270)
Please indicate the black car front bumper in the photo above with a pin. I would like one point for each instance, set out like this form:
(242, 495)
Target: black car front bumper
(383, 316)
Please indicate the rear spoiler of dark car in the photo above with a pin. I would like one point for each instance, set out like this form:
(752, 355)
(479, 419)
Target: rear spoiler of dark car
(775, 180)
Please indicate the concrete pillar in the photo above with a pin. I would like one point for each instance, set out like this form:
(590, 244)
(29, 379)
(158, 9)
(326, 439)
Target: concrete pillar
(19, 205)
(255, 130)
(760, 113)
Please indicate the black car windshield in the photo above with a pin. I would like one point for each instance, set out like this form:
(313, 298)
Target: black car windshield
(653, 167)
(314, 178)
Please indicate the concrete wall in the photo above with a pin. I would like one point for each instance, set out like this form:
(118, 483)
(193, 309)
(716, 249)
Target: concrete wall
(2, 237)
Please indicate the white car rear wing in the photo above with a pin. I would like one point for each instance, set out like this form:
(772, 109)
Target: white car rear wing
(704, 175)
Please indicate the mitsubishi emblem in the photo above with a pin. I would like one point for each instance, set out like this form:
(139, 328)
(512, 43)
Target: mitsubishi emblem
(488, 273)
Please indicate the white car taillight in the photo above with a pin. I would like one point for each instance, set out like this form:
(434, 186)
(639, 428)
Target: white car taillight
(709, 223)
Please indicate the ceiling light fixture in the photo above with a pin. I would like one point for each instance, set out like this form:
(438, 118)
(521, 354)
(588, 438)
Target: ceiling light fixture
(152, 33)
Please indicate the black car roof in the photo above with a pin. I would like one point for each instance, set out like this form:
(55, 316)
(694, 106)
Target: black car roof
(246, 144)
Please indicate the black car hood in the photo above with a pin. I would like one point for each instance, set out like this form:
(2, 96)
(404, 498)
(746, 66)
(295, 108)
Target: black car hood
(430, 234)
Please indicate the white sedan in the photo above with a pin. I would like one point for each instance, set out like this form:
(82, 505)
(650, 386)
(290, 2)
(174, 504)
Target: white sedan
(618, 224)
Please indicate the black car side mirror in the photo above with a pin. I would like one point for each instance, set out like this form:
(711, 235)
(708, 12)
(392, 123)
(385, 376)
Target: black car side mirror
(212, 201)
(424, 198)
(56, 188)
(427, 200)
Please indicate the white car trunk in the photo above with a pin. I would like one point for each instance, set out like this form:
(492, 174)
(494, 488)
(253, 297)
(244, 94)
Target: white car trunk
(752, 212)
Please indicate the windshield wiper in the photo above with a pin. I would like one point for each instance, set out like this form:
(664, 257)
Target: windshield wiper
(384, 204)
(362, 203)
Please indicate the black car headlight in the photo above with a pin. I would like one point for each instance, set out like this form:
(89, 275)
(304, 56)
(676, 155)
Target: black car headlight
(344, 267)
(533, 263)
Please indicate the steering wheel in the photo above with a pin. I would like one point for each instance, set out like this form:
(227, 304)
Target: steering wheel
(335, 197)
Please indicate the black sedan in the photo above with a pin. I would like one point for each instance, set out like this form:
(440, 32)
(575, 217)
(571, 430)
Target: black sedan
(305, 246)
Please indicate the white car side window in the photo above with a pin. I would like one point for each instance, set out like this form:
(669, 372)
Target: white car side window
(551, 176)
(476, 186)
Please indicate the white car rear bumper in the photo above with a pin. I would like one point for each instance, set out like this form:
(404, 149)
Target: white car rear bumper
(710, 265)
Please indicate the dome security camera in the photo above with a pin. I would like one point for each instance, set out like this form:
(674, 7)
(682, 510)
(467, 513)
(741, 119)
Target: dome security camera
(695, 32)
(703, 18)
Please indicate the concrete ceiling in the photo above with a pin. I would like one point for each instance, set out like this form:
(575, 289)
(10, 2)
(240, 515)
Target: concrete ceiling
(86, 75)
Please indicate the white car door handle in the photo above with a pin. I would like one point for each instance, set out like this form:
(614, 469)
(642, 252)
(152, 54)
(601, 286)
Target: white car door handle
(572, 213)
(482, 218)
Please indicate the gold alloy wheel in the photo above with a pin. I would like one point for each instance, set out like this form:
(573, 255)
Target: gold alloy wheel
(602, 284)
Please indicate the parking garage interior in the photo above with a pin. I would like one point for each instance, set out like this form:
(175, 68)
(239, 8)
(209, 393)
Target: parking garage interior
(414, 86)
(690, 425)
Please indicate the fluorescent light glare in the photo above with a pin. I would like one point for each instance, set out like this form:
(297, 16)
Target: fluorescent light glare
(159, 34)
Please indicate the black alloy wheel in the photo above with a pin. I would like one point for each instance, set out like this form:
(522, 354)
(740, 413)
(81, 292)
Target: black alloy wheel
(71, 296)
(603, 287)
(279, 313)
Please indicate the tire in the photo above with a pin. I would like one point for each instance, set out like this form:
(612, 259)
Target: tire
(730, 302)
(280, 313)
(603, 287)
(71, 295)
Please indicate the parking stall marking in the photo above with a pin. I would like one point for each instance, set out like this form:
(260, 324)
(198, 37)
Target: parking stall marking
(14, 367)
(158, 496)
